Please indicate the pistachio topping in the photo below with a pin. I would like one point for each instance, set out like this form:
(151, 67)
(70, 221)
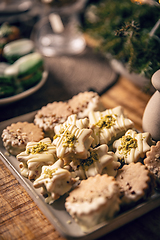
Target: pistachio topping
(40, 147)
(127, 143)
(49, 173)
(89, 161)
(69, 139)
(107, 121)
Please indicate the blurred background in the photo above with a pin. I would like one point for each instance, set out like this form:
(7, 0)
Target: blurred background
(71, 65)
(85, 45)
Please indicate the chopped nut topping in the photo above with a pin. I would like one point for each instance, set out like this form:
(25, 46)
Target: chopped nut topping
(106, 121)
(49, 173)
(127, 143)
(69, 139)
(40, 147)
(87, 162)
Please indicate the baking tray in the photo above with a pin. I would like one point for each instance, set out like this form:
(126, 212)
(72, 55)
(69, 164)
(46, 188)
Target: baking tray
(56, 212)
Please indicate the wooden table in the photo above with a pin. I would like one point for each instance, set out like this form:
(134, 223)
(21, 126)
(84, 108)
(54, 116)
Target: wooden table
(20, 218)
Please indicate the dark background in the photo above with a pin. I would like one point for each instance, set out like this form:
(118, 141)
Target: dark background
(67, 75)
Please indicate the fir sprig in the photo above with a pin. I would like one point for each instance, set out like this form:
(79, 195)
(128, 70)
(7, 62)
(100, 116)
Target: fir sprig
(123, 28)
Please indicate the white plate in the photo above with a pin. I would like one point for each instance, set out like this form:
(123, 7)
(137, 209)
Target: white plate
(26, 93)
(56, 212)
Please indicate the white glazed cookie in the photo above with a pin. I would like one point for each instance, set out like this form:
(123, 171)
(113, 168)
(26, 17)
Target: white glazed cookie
(72, 120)
(100, 161)
(94, 201)
(55, 181)
(51, 115)
(132, 147)
(136, 182)
(35, 156)
(108, 125)
(73, 142)
(84, 102)
(16, 136)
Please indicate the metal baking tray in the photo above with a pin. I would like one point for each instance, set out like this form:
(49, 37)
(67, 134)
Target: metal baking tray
(56, 212)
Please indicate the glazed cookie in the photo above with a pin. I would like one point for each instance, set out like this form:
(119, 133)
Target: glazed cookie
(72, 120)
(51, 115)
(136, 182)
(152, 161)
(100, 161)
(84, 102)
(133, 146)
(35, 156)
(72, 143)
(16, 136)
(108, 125)
(55, 181)
(93, 201)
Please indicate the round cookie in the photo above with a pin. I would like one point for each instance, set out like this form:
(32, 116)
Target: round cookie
(51, 115)
(136, 182)
(152, 161)
(84, 102)
(16, 136)
(93, 201)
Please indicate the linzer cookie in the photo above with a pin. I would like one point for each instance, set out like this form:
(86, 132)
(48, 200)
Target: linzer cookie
(108, 125)
(16, 136)
(51, 115)
(93, 201)
(55, 181)
(133, 146)
(100, 161)
(136, 182)
(152, 161)
(84, 102)
(35, 156)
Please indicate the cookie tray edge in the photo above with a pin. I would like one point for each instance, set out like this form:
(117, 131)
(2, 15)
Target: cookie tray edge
(56, 213)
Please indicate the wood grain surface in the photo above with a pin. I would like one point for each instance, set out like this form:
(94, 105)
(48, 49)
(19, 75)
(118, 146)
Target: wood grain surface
(20, 218)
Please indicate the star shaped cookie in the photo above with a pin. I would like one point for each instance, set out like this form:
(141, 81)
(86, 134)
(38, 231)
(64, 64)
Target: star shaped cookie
(100, 161)
(35, 156)
(55, 181)
(72, 120)
(73, 142)
(133, 146)
(108, 125)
